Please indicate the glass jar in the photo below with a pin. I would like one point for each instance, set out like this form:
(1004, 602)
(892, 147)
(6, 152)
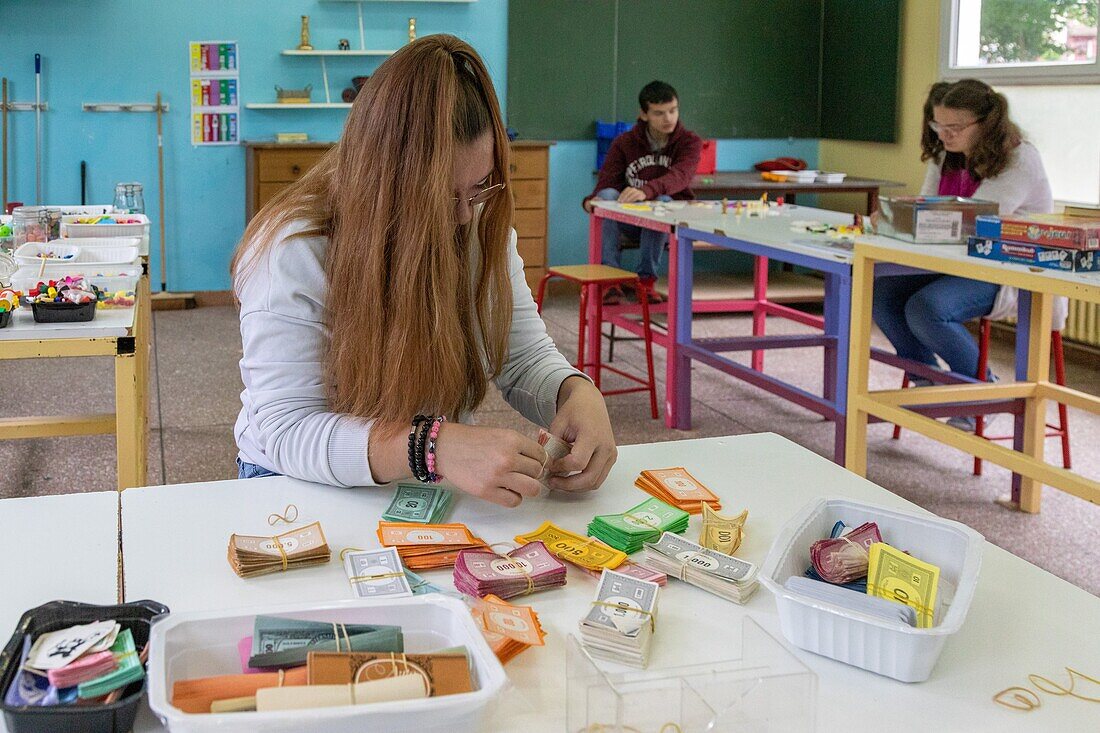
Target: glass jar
(35, 224)
(129, 198)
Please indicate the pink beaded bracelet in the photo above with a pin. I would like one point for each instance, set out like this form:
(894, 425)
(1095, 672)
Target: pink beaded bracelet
(429, 454)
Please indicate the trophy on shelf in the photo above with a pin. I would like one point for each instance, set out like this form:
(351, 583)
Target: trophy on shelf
(304, 44)
(412, 29)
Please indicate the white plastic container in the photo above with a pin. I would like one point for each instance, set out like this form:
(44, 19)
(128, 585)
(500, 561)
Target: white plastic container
(90, 242)
(187, 645)
(32, 253)
(892, 649)
(69, 227)
(111, 279)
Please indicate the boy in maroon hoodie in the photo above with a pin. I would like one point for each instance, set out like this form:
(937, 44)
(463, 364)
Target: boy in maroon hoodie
(656, 160)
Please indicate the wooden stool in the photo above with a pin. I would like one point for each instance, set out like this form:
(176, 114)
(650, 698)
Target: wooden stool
(1059, 430)
(599, 278)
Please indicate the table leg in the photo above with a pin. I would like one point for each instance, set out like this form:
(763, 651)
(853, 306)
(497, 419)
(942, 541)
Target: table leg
(678, 366)
(760, 295)
(838, 308)
(595, 257)
(1035, 413)
(859, 363)
(872, 200)
(131, 398)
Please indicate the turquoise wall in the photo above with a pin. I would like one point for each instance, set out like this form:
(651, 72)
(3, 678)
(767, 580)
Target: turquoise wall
(126, 51)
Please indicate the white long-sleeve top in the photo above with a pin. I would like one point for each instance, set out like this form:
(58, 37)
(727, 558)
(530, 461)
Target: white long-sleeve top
(285, 424)
(1021, 188)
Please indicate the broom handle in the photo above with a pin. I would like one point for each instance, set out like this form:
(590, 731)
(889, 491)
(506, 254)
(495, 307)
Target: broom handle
(4, 107)
(160, 193)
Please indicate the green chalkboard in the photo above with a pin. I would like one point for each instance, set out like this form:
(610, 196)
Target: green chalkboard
(859, 80)
(743, 68)
(561, 59)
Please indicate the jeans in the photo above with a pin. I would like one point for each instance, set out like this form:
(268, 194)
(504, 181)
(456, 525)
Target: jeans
(651, 244)
(923, 317)
(251, 470)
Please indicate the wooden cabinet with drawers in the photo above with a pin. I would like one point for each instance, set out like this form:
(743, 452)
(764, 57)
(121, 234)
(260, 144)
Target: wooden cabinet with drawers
(271, 167)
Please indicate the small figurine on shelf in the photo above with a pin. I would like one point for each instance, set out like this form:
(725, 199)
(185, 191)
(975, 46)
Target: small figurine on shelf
(343, 45)
(412, 29)
(304, 44)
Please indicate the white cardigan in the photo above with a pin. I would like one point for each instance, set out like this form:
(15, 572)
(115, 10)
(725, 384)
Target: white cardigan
(285, 424)
(1021, 188)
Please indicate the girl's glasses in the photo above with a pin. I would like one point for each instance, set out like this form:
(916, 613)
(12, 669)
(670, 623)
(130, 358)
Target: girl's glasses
(486, 193)
(950, 129)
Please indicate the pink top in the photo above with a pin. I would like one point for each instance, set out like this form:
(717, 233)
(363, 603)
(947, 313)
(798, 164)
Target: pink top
(957, 182)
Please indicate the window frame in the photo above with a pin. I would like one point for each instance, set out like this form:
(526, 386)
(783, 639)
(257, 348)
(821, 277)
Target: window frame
(1006, 75)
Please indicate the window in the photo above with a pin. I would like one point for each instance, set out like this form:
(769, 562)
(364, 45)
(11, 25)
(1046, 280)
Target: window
(1020, 41)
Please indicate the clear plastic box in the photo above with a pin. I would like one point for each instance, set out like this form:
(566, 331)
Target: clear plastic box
(888, 648)
(200, 644)
(765, 688)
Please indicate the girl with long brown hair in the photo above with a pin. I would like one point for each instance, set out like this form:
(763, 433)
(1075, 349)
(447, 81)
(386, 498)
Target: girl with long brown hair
(382, 292)
(974, 150)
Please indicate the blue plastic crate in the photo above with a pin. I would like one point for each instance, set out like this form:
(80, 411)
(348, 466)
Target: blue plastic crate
(605, 133)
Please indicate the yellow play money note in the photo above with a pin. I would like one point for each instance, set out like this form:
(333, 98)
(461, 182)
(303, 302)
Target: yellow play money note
(723, 534)
(895, 576)
(583, 551)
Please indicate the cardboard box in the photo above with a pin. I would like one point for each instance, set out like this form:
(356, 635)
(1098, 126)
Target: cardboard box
(931, 219)
(1049, 230)
(1034, 255)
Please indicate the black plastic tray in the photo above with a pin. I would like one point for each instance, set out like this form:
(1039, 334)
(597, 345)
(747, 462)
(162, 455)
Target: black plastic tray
(118, 717)
(63, 312)
(5, 319)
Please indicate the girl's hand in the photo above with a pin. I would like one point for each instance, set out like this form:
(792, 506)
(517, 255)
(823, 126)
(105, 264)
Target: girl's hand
(582, 420)
(631, 195)
(498, 465)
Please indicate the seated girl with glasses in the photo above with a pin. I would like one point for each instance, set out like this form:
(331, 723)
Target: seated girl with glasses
(382, 292)
(974, 150)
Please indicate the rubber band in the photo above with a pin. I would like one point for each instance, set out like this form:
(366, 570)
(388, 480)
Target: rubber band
(526, 575)
(1026, 700)
(641, 611)
(336, 629)
(274, 518)
(282, 553)
(360, 578)
(346, 550)
(641, 520)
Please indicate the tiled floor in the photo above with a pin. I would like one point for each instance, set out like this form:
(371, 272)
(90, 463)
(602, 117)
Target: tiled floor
(197, 383)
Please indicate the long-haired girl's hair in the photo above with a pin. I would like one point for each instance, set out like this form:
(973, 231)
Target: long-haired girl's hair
(998, 134)
(414, 311)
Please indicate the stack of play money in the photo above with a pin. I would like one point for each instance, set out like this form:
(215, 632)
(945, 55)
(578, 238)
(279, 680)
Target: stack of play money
(556, 449)
(620, 624)
(714, 572)
(509, 629)
(646, 522)
(286, 642)
(524, 570)
(844, 559)
(904, 579)
(420, 503)
(634, 570)
(428, 546)
(376, 573)
(679, 488)
(585, 552)
(723, 534)
(250, 556)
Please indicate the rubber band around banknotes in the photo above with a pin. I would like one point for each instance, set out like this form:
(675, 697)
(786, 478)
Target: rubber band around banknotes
(641, 520)
(336, 629)
(873, 590)
(641, 611)
(526, 575)
(361, 578)
(274, 518)
(408, 668)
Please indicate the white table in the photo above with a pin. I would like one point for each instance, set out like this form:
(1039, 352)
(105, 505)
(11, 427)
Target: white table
(1022, 619)
(57, 548)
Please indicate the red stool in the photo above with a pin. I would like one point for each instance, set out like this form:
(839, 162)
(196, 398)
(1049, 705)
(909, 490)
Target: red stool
(1060, 430)
(600, 278)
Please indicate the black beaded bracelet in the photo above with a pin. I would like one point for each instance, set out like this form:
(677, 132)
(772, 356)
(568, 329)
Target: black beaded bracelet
(415, 456)
(422, 474)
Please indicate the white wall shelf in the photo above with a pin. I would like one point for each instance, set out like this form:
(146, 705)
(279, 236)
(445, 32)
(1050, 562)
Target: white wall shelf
(334, 52)
(309, 105)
